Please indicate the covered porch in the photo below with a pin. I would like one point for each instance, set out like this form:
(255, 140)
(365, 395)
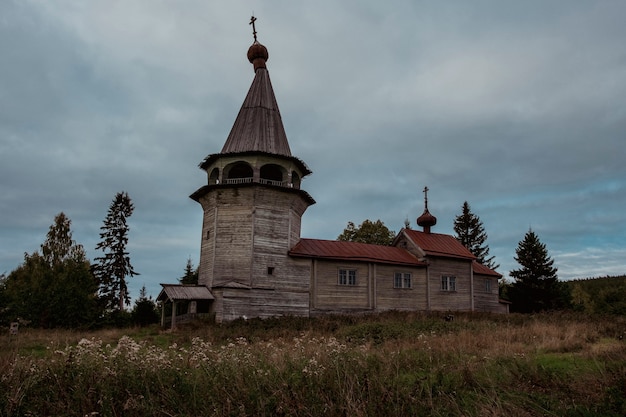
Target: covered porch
(188, 302)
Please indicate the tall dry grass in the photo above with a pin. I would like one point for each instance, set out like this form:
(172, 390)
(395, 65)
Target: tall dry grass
(393, 364)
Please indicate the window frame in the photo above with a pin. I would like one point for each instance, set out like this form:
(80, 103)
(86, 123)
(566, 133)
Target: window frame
(403, 280)
(346, 277)
(448, 283)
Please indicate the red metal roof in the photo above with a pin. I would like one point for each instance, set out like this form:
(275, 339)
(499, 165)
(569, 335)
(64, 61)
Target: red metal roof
(435, 244)
(483, 270)
(353, 251)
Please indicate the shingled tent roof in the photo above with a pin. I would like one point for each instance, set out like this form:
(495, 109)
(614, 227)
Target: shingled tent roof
(353, 251)
(258, 127)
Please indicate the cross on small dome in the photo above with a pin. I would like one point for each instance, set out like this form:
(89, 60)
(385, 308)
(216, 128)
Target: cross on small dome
(426, 220)
(257, 53)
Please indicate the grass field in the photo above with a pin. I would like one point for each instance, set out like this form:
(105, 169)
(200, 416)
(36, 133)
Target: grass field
(392, 364)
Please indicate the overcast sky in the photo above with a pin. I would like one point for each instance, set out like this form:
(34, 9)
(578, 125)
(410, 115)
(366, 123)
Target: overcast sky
(518, 107)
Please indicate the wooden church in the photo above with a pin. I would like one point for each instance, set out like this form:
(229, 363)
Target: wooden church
(253, 262)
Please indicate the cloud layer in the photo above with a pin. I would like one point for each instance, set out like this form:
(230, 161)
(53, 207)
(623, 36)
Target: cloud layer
(515, 107)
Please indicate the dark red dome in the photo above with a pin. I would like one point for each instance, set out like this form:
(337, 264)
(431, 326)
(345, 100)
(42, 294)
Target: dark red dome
(257, 55)
(426, 220)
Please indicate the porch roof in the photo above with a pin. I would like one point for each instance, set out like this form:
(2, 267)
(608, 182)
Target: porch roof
(177, 292)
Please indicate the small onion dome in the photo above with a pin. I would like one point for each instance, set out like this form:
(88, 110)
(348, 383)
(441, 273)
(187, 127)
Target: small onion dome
(426, 220)
(257, 55)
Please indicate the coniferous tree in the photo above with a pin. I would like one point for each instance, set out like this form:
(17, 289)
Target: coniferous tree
(470, 232)
(191, 274)
(536, 287)
(368, 232)
(145, 309)
(114, 266)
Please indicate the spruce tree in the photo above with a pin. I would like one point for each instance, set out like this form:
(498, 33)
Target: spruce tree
(536, 287)
(114, 266)
(470, 232)
(145, 310)
(191, 274)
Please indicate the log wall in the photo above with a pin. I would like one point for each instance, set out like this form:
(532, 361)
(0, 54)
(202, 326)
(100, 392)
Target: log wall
(235, 303)
(374, 289)
(461, 298)
(330, 295)
(484, 300)
(390, 298)
(245, 226)
(247, 232)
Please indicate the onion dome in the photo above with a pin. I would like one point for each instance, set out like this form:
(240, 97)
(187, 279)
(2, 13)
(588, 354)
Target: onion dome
(426, 220)
(258, 55)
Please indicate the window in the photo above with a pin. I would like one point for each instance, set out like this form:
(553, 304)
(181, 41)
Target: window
(402, 280)
(488, 285)
(448, 283)
(270, 270)
(347, 277)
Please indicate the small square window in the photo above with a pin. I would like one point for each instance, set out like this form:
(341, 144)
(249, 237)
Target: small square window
(402, 280)
(448, 283)
(347, 277)
(270, 270)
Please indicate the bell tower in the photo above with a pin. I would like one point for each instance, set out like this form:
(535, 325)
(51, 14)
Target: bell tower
(253, 204)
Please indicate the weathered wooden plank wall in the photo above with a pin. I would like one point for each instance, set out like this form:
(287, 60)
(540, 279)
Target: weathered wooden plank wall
(486, 300)
(450, 300)
(390, 298)
(330, 295)
(262, 303)
(374, 287)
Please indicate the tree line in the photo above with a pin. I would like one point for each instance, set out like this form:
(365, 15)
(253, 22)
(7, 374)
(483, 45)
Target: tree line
(601, 295)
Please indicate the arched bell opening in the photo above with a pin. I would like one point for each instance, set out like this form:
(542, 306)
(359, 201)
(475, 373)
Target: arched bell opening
(239, 172)
(272, 174)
